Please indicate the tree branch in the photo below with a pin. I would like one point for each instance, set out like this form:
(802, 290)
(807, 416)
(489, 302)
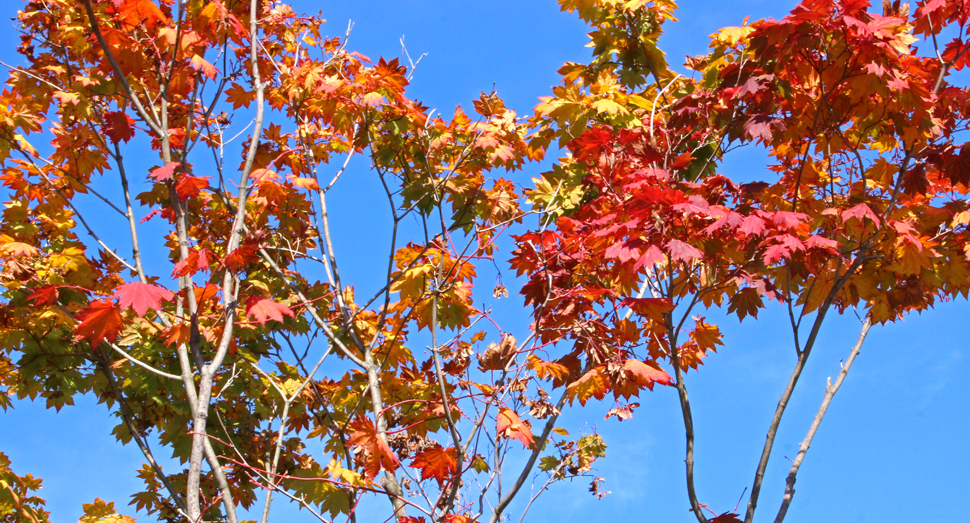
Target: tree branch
(830, 391)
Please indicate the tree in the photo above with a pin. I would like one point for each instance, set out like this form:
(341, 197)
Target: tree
(224, 351)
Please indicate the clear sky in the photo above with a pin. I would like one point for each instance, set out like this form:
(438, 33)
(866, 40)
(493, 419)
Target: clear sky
(894, 446)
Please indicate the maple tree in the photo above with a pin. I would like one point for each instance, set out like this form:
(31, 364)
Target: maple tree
(217, 337)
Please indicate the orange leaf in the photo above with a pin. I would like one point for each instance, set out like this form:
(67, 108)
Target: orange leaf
(593, 384)
(98, 321)
(238, 96)
(652, 308)
(437, 462)
(190, 186)
(509, 425)
(707, 336)
(377, 454)
(546, 369)
(18, 249)
(200, 65)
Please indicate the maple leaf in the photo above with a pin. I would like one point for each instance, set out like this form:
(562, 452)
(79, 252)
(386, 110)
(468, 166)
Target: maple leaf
(509, 425)
(760, 126)
(118, 126)
(196, 261)
(649, 258)
(67, 98)
(377, 455)
(548, 369)
(165, 172)
(309, 184)
(653, 308)
(746, 303)
(46, 295)
(705, 335)
(372, 99)
(957, 168)
(593, 384)
(436, 462)
(199, 64)
(915, 181)
(645, 374)
(859, 212)
(18, 249)
(239, 96)
(682, 161)
(776, 253)
(265, 309)
(240, 258)
(623, 251)
(141, 297)
(101, 512)
(98, 321)
(681, 251)
(190, 186)
(727, 517)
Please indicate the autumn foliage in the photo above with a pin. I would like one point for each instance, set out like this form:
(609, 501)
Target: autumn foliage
(218, 323)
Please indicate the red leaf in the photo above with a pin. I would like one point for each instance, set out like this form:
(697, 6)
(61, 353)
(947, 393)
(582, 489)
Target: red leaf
(752, 225)
(151, 215)
(98, 321)
(760, 126)
(776, 252)
(788, 219)
(197, 261)
(915, 181)
(652, 255)
(141, 297)
(860, 211)
(956, 54)
(46, 295)
(118, 126)
(680, 251)
(437, 462)
(509, 425)
(818, 242)
(727, 517)
(165, 173)
(588, 146)
(682, 161)
(746, 303)
(957, 168)
(622, 251)
(238, 259)
(377, 454)
(265, 309)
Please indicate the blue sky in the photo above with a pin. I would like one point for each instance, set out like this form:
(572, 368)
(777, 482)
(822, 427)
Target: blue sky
(892, 448)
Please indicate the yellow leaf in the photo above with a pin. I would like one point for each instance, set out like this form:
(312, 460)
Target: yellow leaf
(732, 35)
(607, 105)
